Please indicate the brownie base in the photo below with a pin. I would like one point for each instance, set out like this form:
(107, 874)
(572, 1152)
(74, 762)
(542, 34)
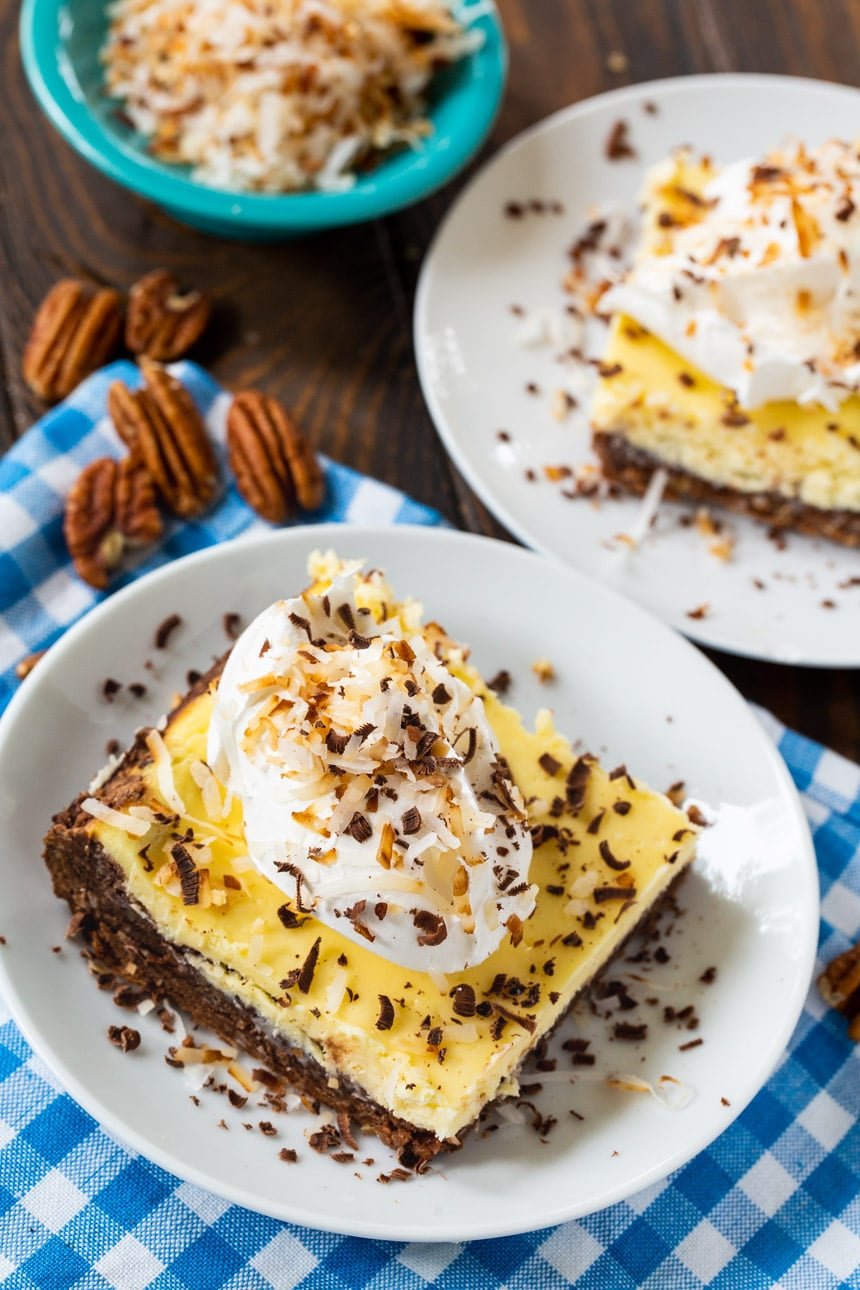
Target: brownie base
(124, 941)
(631, 468)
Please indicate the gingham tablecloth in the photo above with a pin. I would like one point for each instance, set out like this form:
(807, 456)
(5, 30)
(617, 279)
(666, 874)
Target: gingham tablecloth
(775, 1201)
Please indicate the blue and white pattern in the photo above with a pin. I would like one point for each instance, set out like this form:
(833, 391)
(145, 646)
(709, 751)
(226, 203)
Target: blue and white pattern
(40, 595)
(775, 1201)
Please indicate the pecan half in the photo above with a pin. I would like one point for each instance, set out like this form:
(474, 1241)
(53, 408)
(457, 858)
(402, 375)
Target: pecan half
(162, 321)
(274, 465)
(839, 985)
(75, 330)
(110, 506)
(160, 424)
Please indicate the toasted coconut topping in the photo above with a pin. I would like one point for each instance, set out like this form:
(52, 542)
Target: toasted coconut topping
(164, 772)
(355, 779)
(116, 819)
(278, 95)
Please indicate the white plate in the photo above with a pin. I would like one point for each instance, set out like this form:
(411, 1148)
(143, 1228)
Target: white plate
(621, 676)
(474, 372)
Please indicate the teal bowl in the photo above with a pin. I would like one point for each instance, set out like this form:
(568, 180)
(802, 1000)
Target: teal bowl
(60, 43)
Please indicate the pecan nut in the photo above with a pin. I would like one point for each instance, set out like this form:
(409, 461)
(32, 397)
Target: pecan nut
(162, 321)
(274, 465)
(161, 426)
(839, 986)
(110, 506)
(75, 330)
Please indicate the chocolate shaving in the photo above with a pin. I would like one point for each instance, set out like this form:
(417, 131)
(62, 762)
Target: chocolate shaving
(306, 974)
(354, 915)
(335, 742)
(232, 625)
(471, 745)
(441, 695)
(548, 763)
(411, 821)
(302, 624)
(324, 1139)
(288, 1155)
(611, 860)
(385, 1020)
(618, 146)
(463, 997)
(124, 1037)
(626, 1030)
(359, 827)
(601, 894)
(527, 1023)
(501, 682)
(542, 833)
(289, 919)
(572, 938)
(189, 874)
(343, 1124)
(166, 629)
(286, 866)
(345, 613)
(576, 783)
(432, 927)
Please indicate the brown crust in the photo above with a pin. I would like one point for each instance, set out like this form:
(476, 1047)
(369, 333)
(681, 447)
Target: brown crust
(123, 939)
(127, 943)
(631, 468)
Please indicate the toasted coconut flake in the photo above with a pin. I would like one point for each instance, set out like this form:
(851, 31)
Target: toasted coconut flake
(164, 772)
(116, 819)
(336, 991)
(210, 790)
(668, 1091)
(241, 1076)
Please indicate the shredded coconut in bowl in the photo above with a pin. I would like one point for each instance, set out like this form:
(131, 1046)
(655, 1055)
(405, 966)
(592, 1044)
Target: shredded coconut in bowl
(279, 95)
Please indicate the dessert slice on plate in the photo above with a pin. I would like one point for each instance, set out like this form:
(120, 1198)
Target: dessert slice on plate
(733, 359)
(345, 855)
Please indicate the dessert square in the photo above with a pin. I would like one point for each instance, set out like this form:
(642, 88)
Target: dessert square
(350, 859)
(733, 357)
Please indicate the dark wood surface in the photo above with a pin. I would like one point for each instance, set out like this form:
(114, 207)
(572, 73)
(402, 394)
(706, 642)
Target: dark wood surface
(326, 322)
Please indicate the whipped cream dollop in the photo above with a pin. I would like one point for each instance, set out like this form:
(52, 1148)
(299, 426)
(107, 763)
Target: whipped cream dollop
(762, 290)
(371, 783)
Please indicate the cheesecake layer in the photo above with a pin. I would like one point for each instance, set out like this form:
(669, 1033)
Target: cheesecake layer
(446, 1046)
(632, 468)
(672, 411)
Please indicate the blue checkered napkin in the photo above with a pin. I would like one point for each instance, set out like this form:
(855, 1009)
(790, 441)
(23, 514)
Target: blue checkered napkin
(40, 595)
(775, 1201)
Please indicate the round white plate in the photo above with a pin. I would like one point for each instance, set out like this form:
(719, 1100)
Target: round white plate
(627, 686)
(474, 369)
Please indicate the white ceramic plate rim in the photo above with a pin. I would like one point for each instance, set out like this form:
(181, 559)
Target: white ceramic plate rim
(521, 529)
(50, 1048)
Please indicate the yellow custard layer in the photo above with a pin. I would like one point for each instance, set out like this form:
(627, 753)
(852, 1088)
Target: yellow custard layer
(808, 453)
(245, 950)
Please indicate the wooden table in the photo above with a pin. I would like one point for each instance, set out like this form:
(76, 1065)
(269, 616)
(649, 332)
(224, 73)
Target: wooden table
(326, 322)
